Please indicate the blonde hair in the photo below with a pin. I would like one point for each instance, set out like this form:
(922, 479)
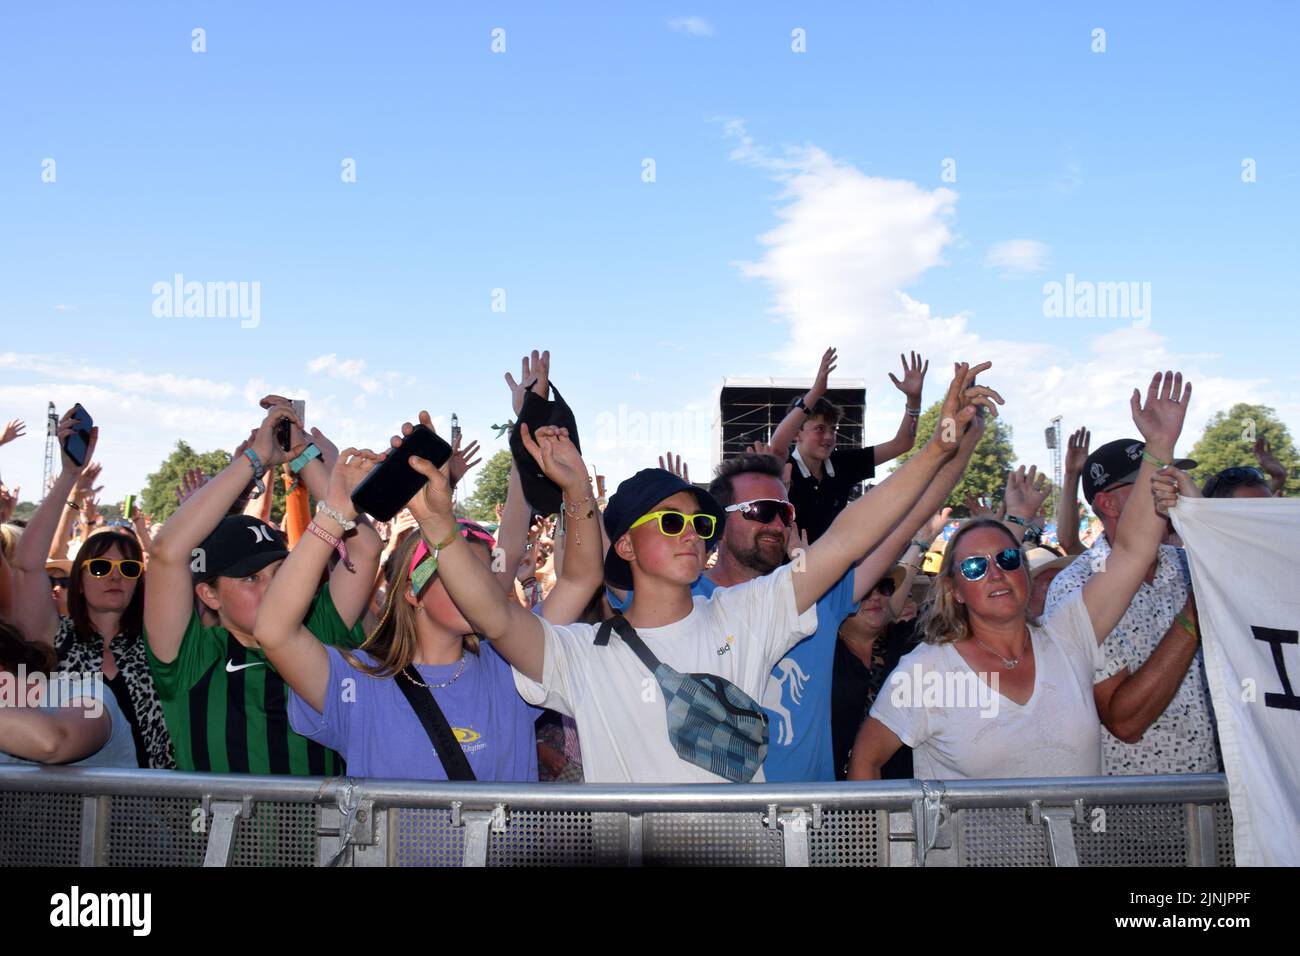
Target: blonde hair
(944, 619)
(395, 639)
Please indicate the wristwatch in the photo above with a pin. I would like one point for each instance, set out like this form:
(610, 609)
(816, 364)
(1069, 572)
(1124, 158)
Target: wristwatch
(799, 403)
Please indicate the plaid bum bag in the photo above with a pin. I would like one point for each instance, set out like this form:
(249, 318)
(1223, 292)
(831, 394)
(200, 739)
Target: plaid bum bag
(712, 723)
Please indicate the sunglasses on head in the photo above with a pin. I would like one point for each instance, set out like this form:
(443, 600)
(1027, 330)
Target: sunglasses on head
(673, 523)
(103, 567)
(1232, 477)
(765, 510)
(977, 565)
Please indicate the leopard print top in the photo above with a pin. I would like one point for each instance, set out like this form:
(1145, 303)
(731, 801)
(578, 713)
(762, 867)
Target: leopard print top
(133, 688)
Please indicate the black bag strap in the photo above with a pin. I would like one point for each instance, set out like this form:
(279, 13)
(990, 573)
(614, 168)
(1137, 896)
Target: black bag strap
(454, 761)
(630, 637)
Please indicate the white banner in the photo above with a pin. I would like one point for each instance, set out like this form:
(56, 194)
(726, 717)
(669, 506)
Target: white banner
(1245, 559)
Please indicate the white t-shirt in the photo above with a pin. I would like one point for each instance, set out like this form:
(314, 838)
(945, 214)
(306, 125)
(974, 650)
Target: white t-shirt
(962, 731)
(738, 633)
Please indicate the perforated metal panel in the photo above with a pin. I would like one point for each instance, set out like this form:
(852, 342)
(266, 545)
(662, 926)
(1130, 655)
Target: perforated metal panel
(40, 829)
(1223, 834)
(156, 831)
(849, 838)
(999, 837)
(427, 838)
(710, 839)
(277, 834)
(543, 838)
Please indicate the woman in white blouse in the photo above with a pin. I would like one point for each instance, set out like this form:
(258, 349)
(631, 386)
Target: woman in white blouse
(992, 693)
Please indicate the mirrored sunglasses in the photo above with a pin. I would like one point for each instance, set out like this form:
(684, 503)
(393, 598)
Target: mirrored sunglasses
(765, 510)
(977, 565)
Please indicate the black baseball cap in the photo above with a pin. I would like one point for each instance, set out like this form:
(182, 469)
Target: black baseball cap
(540, 492)
(238, 546)
(1117, 463)
(637, 496)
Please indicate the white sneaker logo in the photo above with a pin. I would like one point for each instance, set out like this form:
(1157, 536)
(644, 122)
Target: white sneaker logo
(231, 667)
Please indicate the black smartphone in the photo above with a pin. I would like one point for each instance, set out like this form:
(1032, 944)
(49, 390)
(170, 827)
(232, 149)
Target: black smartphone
(393, 482)
(76, 444)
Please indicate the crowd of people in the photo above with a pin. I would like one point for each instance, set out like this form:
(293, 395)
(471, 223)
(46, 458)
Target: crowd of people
(769, 625)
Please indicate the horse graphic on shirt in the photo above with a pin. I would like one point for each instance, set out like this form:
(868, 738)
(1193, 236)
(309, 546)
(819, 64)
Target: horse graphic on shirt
(789, 672)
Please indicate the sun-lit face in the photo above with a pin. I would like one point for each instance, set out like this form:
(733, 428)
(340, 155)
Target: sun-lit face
(999, 595)
(112, 593)
(760, 546)
(816, 439)
(236, 600)
(679, 559)
(439, 606)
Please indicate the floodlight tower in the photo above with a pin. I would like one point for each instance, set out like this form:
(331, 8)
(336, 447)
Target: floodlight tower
(51, 448)
(1054, 444)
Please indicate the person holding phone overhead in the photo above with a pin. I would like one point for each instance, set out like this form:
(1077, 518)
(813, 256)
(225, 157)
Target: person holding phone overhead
(225, 702)
(102, 631)
(423, 698)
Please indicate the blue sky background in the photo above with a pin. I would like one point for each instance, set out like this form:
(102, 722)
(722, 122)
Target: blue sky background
(522, 171)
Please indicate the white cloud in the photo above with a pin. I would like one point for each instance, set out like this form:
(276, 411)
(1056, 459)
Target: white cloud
(692, 26)
(849, 244)
(1017, 257)
(346, 370)
(64, 307)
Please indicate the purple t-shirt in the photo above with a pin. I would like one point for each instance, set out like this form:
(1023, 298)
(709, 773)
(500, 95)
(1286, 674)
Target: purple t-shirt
(370, 723)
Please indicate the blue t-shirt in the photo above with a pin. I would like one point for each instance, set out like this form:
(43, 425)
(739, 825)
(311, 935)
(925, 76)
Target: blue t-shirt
(372, 725)
(118, 750)
(798, 695)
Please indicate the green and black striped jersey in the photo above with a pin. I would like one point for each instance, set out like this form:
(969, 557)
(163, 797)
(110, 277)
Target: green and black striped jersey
(227, 708)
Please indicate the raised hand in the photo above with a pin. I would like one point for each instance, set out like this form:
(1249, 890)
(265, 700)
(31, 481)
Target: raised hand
(264, 445)
(934, 527)
(329, 452)
(982, 508)
(534, 373)
(1167, 485)
(1076, 452)
(913, 378)
(86, 489)
(431, 506)
(961, 404)
(822, 381)
(1160, 419)
(1026, 492)
(559, 460)
(8, 502)
(1270, 465)
(462, 460)
(798, 543)
(14, 428)
(677, 466)
(194, 479)
(353, 465)
(65, 429)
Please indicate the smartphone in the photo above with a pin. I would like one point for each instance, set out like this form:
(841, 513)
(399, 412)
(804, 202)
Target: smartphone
(76, 444)
(128, 506)
(393, 482)
(284, 429)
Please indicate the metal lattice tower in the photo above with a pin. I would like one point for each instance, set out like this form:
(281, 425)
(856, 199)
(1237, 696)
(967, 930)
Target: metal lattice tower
(51, 447)
(1054, 443)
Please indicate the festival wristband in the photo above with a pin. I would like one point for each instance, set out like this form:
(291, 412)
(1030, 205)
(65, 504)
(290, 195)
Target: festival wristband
(299, 463)
(1154, 460)
(1187, 625)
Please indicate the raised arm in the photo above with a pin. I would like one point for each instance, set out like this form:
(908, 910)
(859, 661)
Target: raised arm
(293, 650)
(1067, 515)
(63, 735)
(516, 633)
(790, 425)
(1025, 493)
(1276, 471)
(921, 516)
(169, 598)
(34, 613)
(910, 385)
(583, 566)
(1141, 529)
(864, 524)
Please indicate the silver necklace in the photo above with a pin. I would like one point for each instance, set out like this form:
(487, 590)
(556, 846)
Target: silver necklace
(447, 683)
(1007, 662)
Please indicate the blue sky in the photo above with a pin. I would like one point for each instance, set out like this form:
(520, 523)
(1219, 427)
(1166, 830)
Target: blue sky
(798, 201)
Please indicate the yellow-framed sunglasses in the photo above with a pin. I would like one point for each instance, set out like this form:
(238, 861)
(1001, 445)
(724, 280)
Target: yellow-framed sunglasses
(673, 523)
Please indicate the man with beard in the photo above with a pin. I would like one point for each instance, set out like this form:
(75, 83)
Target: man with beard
(798, 694)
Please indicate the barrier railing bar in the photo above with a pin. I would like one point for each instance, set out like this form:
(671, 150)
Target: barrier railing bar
(94, 830)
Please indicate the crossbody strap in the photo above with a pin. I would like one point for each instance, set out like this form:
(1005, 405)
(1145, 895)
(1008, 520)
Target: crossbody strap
(422, 701)
(630, 637)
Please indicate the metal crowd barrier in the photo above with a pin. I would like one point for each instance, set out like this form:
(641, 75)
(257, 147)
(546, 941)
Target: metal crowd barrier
(81, 817)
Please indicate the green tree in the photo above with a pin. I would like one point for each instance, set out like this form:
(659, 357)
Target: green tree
(1229, 438)
(490, 491)
(986, 475)
(159, 496)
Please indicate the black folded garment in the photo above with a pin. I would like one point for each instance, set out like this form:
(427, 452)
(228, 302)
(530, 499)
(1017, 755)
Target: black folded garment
(541, 493)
